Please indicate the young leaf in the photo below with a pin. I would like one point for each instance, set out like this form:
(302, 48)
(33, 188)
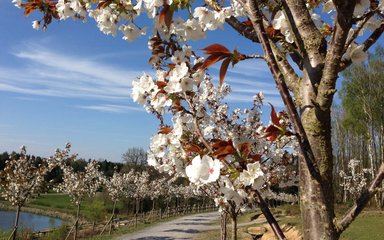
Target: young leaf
(216, 48)
(165, 130)
(272, 132)
(166, 15)
(274, 118)
(223, 69)
(212, 59)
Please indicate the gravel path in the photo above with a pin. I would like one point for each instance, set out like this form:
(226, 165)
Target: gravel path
(182, 228)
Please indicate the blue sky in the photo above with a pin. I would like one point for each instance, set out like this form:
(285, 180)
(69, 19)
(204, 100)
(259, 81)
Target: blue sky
(72, 84)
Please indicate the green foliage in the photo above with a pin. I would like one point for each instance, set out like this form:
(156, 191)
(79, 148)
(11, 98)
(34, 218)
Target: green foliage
(361, 94)
(58, 233)
(95, 210)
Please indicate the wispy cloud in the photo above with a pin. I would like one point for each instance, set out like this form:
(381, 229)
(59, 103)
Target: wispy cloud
(44, 72)
(112, 108)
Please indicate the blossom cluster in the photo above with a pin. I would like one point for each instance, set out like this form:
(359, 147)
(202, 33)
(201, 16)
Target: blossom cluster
(20, 179)
(220, 151)
(123, 15)
(355, 181)
(77, 184)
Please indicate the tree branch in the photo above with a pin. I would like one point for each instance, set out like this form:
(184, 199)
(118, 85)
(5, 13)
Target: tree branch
(356, 31)
(243, 29)
(269, 216)
(293, 28)
(256, 18)
(367, 44)
(343, 24)
(361, 202)
(292, 79)
(311, 42)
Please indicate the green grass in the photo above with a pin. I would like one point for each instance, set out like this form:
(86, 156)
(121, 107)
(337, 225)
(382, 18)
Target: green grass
(94, 208)
(4, 234)
(54, 200)
(367, 226)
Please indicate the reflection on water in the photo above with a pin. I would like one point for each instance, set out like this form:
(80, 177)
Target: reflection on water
(30, 221)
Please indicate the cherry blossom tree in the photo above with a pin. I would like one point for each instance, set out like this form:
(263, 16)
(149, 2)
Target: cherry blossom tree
(77, 185)
(306, 44)
(20, 180)
(355, 180)
(118, 187)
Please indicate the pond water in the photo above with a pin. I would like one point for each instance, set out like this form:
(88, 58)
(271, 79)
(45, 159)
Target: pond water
(30, 221)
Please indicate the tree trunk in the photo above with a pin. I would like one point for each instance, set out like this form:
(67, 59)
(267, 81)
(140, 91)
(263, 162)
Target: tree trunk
(112, 217)
(13, 235)
(316, 197)
(233, 226)
(77, 221)
(223, 225)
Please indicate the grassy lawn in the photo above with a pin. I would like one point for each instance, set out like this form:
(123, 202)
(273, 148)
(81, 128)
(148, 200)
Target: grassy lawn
(89, 208)
(368, 226)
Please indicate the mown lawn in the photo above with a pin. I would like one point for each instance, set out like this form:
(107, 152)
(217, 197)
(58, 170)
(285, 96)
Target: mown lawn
(89, 208)
(368, 226)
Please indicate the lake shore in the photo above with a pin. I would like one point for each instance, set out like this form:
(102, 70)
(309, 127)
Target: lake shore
(39, 211)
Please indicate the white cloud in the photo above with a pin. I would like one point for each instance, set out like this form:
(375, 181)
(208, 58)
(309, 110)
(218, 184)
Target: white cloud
(112, 108)
(44, 72)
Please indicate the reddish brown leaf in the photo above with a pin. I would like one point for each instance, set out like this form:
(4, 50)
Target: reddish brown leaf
(274, 117)
(198, 66)
(216, 48)
(223, 148)
(248, 23)
(224, 151)
(161, 84)
(165, 130)
(272, 132)
(244, 148)
(273, 33)
(103, 4)
(217, 143)
(166, 15)
(255, 157)
(29, 9)
(223, 69)
(192, 148)
(212, 59)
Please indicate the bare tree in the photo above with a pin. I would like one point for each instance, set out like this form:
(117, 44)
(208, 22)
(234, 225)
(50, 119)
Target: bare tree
(135, 158)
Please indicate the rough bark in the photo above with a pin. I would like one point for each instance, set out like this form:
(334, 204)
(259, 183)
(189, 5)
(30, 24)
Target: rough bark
(315, 140)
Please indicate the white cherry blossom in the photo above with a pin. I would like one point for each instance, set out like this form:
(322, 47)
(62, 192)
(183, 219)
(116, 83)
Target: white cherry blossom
(203, 170)
(280, 22)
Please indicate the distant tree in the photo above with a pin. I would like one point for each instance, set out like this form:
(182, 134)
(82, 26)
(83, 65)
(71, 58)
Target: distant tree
(135, 158)
(108, 168)
(19, 180)
(363, 101)
(79, 165)
(3, 157)
(77, 184)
